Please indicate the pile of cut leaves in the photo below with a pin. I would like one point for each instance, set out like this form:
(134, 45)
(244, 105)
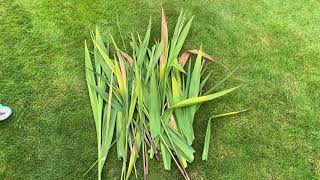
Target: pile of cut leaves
(144, 101)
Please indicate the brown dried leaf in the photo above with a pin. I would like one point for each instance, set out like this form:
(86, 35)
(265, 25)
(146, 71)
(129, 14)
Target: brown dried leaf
(173, 124)
(196, 51)
(207, 56)
(128, 58)
(164, 38)
(184, 58)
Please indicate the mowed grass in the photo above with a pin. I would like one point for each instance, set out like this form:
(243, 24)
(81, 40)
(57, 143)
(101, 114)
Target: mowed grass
(275, 43)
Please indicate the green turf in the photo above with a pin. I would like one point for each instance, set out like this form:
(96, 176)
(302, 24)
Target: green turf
(276, 43)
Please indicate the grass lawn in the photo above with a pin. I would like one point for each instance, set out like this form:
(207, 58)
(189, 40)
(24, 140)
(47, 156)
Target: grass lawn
(276, 43)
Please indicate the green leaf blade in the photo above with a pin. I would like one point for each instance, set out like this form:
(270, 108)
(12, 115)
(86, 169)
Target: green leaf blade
(206, 142)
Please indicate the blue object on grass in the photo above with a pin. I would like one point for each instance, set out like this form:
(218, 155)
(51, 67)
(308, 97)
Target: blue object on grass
(5, 112)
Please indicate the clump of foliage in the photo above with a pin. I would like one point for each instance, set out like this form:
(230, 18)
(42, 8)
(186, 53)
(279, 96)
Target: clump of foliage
(144, 103)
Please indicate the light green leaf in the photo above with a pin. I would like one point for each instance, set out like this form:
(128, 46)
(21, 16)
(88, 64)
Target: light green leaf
(206, 141)
(154, 107)
(201, 99)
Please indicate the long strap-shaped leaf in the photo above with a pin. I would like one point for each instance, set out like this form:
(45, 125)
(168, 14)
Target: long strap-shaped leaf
(208, 132)
(154, 107)
(206, 141)
(95, 104)
(201, 99)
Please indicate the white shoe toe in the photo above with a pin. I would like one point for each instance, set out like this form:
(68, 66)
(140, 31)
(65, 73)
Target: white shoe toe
(5, 112)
